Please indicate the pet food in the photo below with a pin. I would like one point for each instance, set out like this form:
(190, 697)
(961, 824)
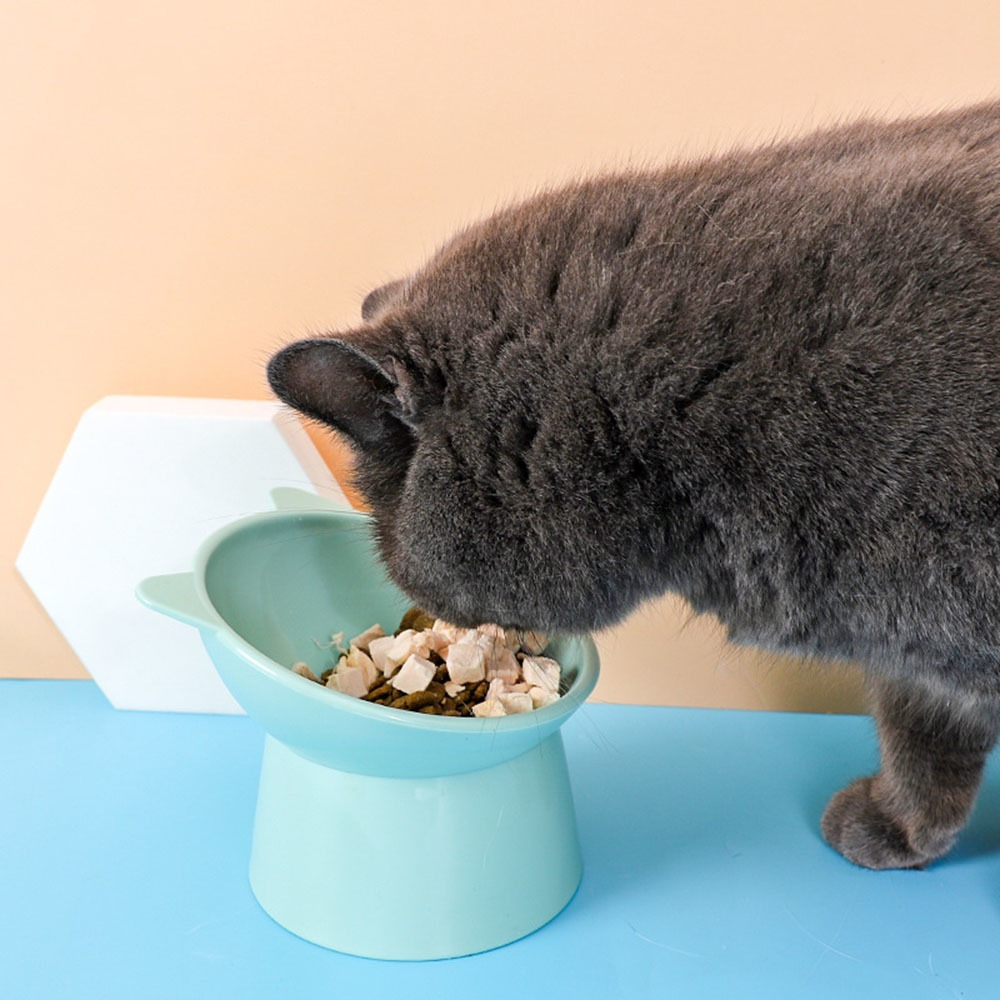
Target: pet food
(431, 666)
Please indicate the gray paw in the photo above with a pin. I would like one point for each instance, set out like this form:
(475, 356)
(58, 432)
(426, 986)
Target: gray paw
(856, 825)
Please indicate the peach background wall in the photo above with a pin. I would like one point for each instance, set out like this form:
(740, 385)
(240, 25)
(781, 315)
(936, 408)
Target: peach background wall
(185, 186)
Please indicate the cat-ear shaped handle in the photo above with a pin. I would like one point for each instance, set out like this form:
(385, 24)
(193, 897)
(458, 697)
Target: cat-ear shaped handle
(293, 500)
(175, 595)
(336, 382)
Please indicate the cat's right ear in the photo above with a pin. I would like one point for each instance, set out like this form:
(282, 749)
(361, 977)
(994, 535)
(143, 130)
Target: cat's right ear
(337, 383)
(381, 298)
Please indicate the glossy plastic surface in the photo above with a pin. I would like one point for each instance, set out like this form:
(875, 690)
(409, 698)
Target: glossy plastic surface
(415, 868)
(342, 777)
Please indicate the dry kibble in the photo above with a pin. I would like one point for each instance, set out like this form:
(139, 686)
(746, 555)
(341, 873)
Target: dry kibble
(385, 690)
(436, 668)
(413, 701)
(417, 620)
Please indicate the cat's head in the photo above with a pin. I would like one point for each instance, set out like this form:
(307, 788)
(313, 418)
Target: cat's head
(490, 447)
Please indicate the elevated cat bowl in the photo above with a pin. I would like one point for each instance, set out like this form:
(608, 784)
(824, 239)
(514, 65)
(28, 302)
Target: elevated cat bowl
(378, 832)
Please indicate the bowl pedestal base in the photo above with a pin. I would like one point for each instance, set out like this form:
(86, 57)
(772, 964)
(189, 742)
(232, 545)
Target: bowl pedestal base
(415, 868)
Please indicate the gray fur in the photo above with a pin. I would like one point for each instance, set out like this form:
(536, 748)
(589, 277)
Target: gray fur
(769, 381)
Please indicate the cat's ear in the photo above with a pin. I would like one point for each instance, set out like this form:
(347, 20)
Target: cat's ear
(336, 382)
(381, 298)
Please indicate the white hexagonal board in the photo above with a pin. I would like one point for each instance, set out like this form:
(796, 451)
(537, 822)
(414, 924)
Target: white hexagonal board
(143, 482)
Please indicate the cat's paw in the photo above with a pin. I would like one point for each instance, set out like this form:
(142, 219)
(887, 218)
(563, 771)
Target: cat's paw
(859, 828)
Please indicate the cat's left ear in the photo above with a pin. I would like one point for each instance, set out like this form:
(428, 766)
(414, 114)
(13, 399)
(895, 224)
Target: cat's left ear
(338, 383)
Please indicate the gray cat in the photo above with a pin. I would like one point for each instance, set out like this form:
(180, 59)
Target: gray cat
(769, 382)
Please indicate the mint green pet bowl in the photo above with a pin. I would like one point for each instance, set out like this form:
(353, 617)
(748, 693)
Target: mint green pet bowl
(378, 832)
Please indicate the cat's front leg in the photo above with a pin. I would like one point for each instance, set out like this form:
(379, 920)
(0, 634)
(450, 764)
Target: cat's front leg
(933, 751)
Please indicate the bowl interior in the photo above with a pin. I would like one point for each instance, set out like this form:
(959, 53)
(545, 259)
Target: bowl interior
(286, 583)
(281, 584)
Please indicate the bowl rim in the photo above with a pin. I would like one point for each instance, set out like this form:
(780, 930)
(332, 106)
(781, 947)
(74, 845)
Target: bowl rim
(328, 699)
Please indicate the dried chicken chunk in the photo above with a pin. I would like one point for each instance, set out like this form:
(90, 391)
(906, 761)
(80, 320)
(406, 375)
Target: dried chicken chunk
(432, 666)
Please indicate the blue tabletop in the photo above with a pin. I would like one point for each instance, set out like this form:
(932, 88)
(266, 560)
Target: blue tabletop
(124, 842)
